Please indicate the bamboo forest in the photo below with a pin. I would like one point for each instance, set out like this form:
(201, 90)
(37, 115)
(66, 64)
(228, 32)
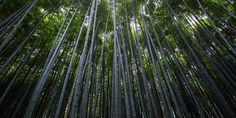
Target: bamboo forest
(117, 59)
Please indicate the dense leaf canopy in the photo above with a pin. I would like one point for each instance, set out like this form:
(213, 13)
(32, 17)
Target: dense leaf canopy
(118, 58)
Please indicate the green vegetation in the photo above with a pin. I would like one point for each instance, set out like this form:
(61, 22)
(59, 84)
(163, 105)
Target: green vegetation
(118, 58)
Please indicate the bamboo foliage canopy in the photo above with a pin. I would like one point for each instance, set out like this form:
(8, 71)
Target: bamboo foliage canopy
(118, 58)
